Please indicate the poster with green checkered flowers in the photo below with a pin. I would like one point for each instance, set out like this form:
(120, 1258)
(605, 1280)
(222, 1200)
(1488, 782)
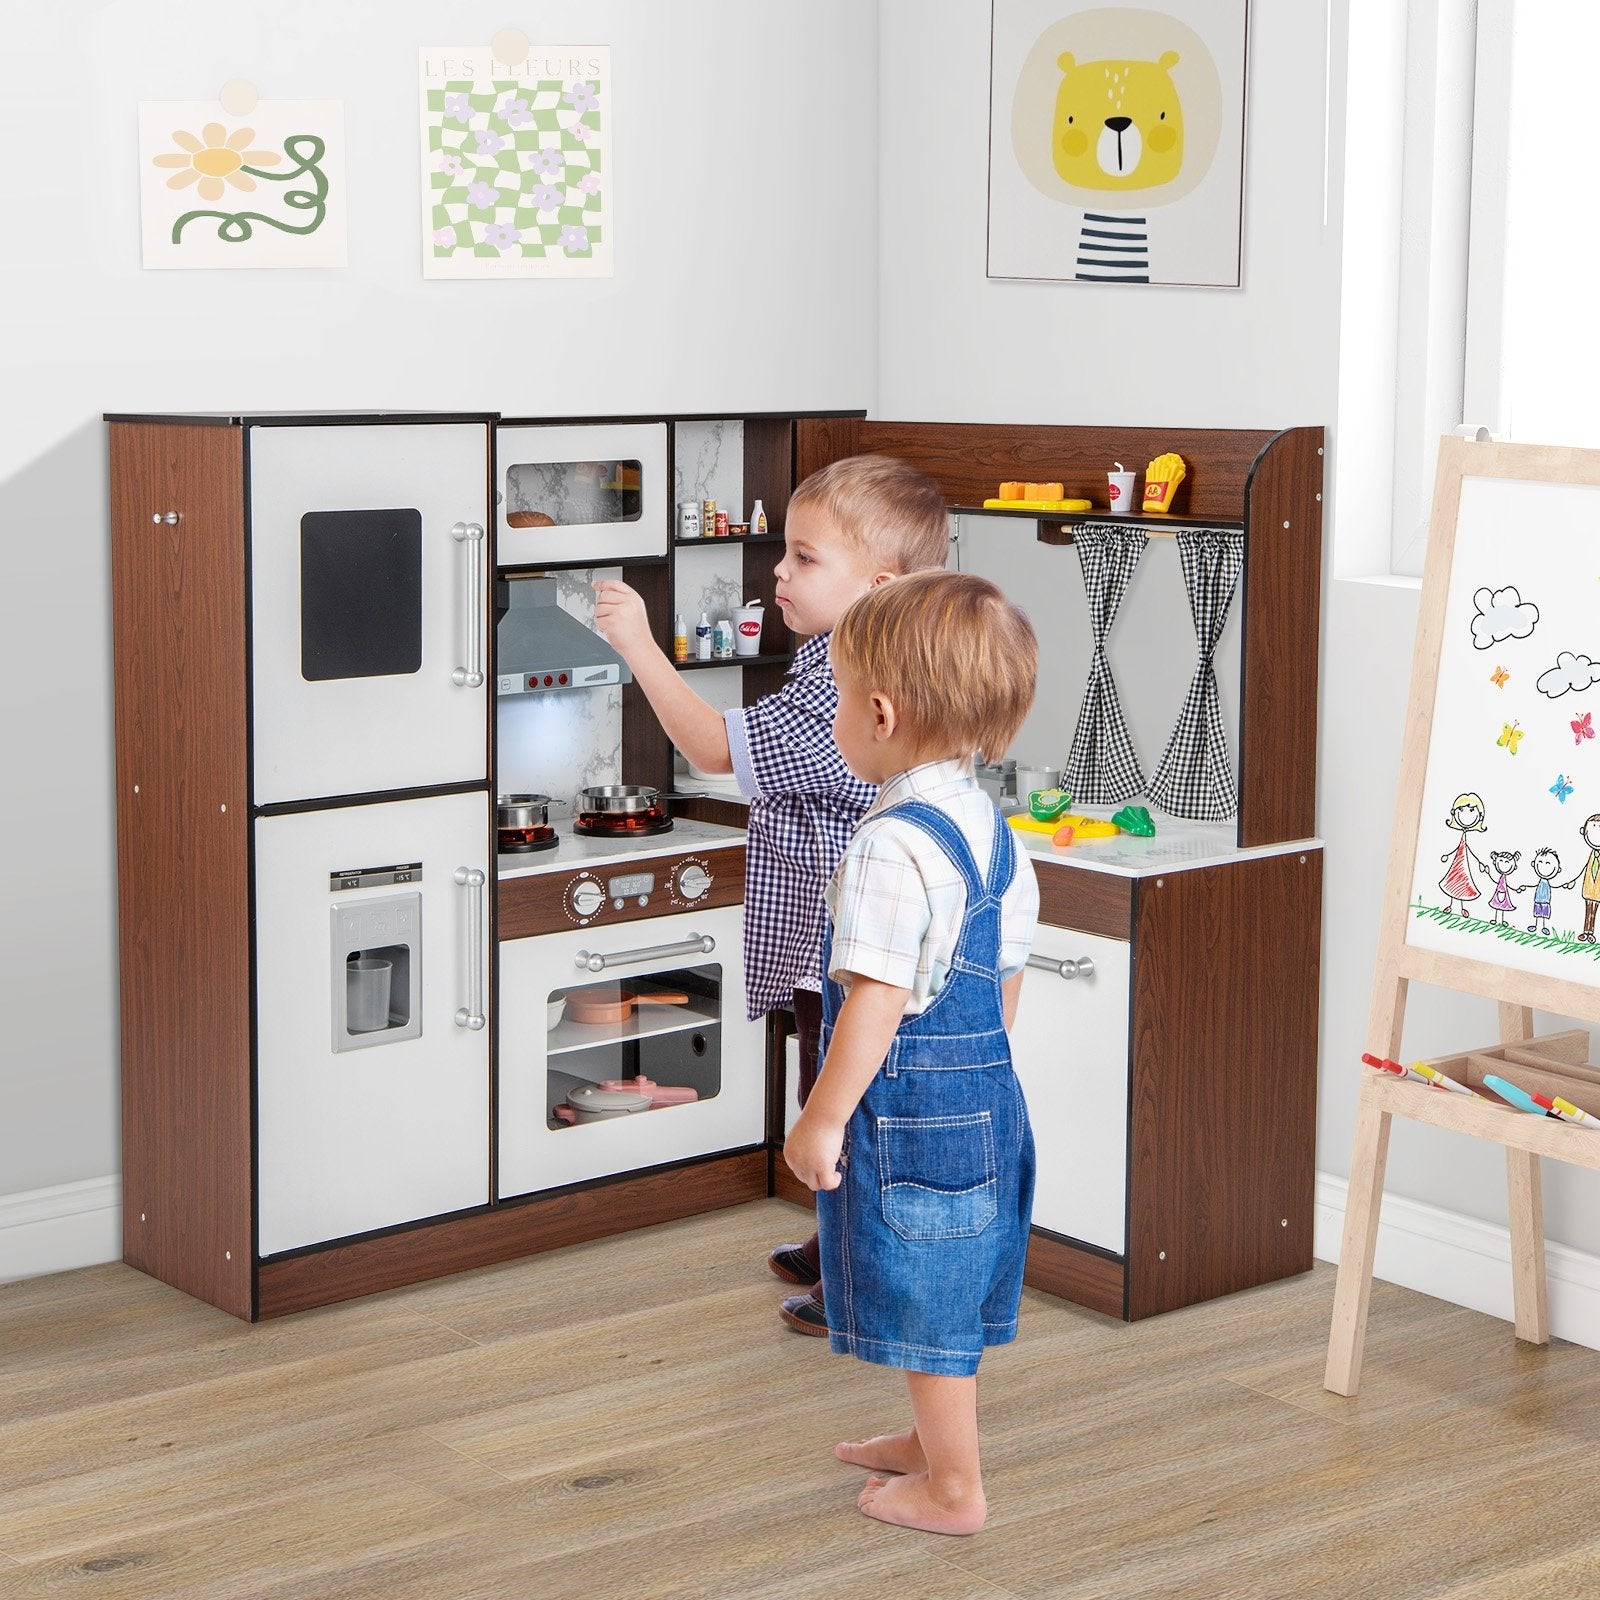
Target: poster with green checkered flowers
(516, 163)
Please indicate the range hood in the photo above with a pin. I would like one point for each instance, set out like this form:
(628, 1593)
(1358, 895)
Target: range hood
(540, 647)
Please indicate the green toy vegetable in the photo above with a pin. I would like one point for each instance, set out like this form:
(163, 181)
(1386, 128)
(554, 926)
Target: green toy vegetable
(1045, 805)
(1135, 819)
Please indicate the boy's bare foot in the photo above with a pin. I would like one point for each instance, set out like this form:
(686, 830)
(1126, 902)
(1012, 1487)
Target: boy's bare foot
(910, 1502)
(887, 1452)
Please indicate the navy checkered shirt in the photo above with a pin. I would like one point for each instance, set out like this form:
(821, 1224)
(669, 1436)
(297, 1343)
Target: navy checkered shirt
(804, 807)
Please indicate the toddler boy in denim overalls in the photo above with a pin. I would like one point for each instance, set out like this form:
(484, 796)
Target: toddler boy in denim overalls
(916, 1135)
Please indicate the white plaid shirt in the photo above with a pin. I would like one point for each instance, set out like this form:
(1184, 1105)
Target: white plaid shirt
(804, 806)
(897, 901)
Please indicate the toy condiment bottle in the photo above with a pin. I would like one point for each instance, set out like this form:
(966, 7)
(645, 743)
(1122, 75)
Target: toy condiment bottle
(758, 519)
(680, 640)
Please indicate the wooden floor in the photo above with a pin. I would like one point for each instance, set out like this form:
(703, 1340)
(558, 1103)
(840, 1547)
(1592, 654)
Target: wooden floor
(628, 1420)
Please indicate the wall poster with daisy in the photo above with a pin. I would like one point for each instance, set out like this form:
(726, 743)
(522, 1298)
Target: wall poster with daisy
(263, 190)
(516, 163)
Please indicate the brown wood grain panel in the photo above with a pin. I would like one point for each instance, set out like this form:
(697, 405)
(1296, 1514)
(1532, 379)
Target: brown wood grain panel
(532, 905)
(788, 1187)
(646, 750)
(1224, 1097)
(178, 620)
(1076, 897)
(1062, 1269)
(768, 473)
(365, 1266)
(819, 440)
(712, 808)
(1282, 598)
(969, 460)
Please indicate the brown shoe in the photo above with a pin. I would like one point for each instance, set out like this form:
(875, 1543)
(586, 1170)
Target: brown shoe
(789, 1262)
(804, 1314)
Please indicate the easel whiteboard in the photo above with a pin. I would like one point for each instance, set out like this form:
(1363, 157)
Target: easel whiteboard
(1495, 868)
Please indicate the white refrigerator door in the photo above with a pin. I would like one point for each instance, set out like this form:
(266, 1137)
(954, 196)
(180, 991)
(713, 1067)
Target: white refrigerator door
(534, 1156)
(366, 608)
(1070, 1048)
(365, 1138)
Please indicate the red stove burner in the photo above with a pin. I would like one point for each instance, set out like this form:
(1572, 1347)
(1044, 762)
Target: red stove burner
(517, 841)
(623, 824)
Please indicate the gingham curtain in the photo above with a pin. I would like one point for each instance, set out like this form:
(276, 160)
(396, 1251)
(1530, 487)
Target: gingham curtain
(1194, 777)
(1102, 768)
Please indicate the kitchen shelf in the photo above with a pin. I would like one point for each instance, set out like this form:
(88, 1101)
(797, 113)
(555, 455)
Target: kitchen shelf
(1068, 519)
(731, 541)
(647, 1022)
(737, 661)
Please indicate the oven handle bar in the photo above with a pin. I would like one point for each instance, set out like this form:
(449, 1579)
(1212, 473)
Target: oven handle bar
(1083, 967)
(471, 1015)
(696, 944)
(471, 675)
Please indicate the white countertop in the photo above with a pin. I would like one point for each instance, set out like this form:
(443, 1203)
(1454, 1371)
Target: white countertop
(580, 850)
(1177, 846)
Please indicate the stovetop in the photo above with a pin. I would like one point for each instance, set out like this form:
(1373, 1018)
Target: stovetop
(575, 850)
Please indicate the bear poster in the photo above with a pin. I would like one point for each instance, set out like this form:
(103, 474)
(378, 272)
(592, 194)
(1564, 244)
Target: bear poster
(1116, 141)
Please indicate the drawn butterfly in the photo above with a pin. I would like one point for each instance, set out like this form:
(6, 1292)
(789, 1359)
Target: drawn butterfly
(1498, 677)
(1561, 788)
(1511, 736)
(1583, 727)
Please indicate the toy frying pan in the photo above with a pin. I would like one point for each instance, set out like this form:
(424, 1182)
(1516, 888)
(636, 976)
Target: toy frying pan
(605, 1003)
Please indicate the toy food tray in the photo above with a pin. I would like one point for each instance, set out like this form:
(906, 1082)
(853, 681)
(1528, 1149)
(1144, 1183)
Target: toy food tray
(1038, 505)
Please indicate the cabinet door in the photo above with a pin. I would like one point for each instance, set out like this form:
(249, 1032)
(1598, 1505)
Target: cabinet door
(369, 587)
(1070, 1045)
(368, 1120)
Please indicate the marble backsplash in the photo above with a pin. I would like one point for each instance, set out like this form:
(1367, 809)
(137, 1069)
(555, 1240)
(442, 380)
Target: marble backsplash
(709, 465)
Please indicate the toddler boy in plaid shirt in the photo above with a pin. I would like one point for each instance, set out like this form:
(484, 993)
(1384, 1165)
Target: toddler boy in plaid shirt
(849, 527)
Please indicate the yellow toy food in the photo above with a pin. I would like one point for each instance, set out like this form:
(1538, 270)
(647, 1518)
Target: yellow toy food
(1161, 480)
(1082, 827)
(1013, 491)
(1045, 491)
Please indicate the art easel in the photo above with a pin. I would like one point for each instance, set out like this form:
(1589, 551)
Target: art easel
(1526, 1138)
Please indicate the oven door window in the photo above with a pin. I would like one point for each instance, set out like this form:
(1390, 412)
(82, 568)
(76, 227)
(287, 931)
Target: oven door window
(562, 494)
(625, 1048)
(360, 594)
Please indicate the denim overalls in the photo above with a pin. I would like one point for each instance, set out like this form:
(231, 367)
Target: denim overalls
(924, 1239)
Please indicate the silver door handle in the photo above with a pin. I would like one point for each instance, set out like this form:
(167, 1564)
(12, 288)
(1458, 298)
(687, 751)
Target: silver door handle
(472, 880)
(1083, 967)
(471, 535)
(696, 944)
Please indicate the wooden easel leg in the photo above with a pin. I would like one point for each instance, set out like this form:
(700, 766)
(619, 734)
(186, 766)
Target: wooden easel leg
(1525, 1206)
(1348, 1335)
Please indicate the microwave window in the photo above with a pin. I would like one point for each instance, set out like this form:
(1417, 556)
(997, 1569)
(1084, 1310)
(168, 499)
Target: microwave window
(564, 494)
(360, 594)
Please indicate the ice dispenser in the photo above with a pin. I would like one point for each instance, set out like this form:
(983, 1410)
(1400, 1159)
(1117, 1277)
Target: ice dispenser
(375, 962)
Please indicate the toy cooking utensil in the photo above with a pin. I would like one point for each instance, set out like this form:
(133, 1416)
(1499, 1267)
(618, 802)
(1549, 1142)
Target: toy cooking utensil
(613, 1003)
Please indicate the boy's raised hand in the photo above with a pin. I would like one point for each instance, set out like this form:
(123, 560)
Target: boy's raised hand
(620, 617)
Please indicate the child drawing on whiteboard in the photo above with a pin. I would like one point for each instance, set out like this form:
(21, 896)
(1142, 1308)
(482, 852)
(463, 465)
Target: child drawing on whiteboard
(1457, 885)
(1505, 863)
(1546, 864)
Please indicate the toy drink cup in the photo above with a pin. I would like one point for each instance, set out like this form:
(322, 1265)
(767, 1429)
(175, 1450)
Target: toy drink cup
(1119, 490)
(747, 621)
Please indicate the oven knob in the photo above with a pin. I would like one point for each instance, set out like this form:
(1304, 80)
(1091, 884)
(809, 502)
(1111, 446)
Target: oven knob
(587, 897)
(693, 882)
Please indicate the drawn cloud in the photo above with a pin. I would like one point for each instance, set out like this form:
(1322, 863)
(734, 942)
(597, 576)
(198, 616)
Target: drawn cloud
(1571, 672)
(1502, 614)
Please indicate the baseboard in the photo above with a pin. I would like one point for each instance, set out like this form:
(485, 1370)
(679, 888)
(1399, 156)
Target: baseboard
(1464, 1261)
(54, 1230)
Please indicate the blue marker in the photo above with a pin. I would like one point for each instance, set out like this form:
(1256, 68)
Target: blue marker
(1515, 1096)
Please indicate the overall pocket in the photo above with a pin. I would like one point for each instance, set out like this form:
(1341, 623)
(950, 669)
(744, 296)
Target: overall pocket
(937, 1175)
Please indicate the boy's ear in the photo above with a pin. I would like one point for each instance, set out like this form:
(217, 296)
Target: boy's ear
(885, 717)
(881, 577)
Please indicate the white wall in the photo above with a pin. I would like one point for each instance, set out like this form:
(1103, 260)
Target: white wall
(748, 289)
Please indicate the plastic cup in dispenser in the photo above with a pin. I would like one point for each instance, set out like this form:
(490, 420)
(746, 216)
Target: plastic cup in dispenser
(747, 622)
(366, 996)
(1119, 490)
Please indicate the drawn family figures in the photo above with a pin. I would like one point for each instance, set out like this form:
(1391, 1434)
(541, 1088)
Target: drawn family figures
(1500, 902)
(1457, 884)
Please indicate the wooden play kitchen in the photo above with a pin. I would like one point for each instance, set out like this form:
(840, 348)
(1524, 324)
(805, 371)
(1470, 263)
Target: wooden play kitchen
(1487, 660)
(281, 772)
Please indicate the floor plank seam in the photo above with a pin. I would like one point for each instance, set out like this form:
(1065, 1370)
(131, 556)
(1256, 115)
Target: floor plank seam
(455, 1450)
(967, 1572)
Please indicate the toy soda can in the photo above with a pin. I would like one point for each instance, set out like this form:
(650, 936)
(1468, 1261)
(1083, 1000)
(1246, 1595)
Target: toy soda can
(708, 519)
(722, 524)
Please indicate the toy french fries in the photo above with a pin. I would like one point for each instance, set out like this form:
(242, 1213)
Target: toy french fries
(1161, 480)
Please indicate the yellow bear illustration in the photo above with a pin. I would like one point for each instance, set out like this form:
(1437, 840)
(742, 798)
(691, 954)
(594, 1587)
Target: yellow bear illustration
(1118, 124)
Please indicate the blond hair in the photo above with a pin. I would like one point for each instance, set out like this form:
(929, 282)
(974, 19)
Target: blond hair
(954, 657)
(885, 508)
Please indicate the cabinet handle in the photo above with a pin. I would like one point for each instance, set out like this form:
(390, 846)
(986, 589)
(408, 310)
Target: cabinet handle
(696, 944)
(471, 675)
(1083, 967)
(472, 879)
